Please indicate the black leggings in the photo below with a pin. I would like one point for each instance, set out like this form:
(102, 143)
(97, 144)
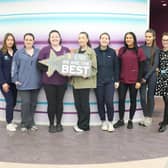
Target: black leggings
(55, 95)
(165, 117)
(122, 95)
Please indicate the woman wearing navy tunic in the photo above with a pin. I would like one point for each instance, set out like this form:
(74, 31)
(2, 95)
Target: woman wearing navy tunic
(8, 88)
(107, 78)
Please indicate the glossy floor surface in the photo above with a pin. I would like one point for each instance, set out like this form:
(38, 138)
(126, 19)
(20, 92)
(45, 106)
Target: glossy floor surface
(92, 147)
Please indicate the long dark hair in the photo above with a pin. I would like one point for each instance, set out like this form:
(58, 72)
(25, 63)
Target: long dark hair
(87, 36)
(154, 45)
(4, 48)
(135, 48)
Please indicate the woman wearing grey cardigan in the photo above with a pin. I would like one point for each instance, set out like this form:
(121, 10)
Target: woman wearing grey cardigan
(27, 78)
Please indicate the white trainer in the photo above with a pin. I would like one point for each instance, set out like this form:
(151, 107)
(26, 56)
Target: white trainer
(34, 128)
(10, 127)
(110, 127)
(148, 121)
(14, 124)
(77, 129)
(104, 126)
(23, 129)
(142, 122)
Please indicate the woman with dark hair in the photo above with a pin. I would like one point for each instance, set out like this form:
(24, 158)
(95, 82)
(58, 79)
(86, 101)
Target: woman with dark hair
(131, 60)
(162, 80)
(149, 77)
(7, 87)
(82, 85)
(27, 78)
(55, 85)
(107, 80)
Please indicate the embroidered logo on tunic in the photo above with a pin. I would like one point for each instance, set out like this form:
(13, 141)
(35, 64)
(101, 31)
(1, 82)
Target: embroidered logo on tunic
(6, 57)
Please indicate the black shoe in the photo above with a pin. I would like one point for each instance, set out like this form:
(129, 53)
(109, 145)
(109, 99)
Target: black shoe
(130, 124)
(59, 128)
(160, 123)
(162, 128)
(119, 123)
(52, 129)
(142, 124)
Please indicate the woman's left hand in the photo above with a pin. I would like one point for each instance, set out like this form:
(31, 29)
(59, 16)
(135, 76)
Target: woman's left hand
(116, 85)
(143, 80)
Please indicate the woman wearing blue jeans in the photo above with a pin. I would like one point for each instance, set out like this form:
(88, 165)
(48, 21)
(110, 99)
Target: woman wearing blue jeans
(149, 78)
(107, 80)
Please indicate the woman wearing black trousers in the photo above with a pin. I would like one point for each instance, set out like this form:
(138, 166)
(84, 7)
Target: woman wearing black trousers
(82, 85)
(162, 81)
(131, 60)
(56, 84)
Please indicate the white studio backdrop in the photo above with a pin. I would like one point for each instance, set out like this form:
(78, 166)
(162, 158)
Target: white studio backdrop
(71, 17)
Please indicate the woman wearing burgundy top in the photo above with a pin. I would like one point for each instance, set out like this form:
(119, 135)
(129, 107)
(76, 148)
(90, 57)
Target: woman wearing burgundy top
(131, 59)
(55, 85)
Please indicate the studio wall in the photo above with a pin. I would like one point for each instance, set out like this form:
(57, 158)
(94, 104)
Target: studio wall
(70, 18)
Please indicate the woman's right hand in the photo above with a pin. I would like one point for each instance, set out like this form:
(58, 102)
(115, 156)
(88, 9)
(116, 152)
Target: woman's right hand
(5, 87)
(116, 85)
(18, 83)
(137, 85)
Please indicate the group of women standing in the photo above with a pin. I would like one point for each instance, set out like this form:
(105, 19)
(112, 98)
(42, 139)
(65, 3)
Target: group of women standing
(135, 68)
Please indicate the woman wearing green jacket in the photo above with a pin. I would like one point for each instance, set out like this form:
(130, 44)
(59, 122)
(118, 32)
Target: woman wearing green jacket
(82, 85)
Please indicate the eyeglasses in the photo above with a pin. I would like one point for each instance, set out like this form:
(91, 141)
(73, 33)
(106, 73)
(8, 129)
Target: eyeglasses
(165, 40)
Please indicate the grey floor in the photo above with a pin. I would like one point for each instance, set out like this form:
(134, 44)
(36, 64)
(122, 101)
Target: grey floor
(94, 146)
